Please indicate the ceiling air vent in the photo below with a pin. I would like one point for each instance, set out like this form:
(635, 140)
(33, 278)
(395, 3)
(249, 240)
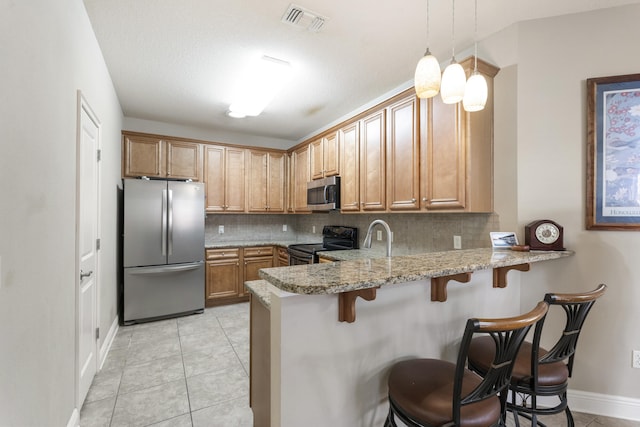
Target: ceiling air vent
(303, 18)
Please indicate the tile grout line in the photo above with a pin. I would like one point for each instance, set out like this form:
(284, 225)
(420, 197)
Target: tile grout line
(184, 370)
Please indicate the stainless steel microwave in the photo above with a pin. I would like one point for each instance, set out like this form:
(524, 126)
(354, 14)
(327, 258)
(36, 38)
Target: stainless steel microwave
(324, 194)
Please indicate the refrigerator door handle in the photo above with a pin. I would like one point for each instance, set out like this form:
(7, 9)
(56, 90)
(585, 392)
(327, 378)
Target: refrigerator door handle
(170, 220)
(165, 269)
(163, 229)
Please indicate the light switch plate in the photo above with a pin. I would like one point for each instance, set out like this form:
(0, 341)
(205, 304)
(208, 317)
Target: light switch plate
(221, 229)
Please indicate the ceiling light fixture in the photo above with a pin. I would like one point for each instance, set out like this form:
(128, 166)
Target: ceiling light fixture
(262, 84)
(476, 92)
(427, 76)
(454, 78)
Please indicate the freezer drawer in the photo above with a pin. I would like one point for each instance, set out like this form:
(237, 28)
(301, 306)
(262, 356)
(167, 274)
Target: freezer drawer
(162, 291)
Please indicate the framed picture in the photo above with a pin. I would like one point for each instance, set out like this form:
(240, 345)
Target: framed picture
(503, 240)
(613, 153)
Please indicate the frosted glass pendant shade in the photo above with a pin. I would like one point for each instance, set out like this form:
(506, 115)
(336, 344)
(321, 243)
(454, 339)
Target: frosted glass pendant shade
(453, 83)
(475, 94)
(427, 77)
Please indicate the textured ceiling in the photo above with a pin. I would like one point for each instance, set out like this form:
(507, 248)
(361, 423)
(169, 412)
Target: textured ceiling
(178, 61)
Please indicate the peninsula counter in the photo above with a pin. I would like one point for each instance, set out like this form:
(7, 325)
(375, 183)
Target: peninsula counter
(324, 371)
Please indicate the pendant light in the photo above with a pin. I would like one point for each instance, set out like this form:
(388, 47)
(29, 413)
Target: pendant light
(427, 76)
(475, 95)
(454, 78)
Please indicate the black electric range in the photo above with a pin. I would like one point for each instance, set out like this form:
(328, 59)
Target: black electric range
(334, 238)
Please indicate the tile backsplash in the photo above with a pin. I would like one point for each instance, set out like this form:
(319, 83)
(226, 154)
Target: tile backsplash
(412, 233)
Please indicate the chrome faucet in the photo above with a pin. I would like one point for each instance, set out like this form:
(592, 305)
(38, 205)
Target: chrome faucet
(367, 239)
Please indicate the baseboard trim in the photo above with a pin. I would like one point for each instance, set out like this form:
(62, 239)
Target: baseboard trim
(108, 340)
(604, 404)
(595, 404)
(74, 421)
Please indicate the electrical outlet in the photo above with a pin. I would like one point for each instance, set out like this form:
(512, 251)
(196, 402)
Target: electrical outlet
(457, 242)
(221, 229)
(313, 229)
(636, 359)
(379, 235)
(284, 227)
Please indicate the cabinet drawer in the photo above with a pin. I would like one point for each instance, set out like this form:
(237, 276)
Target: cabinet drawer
(283, 253)
(222, 253)
(258, 251)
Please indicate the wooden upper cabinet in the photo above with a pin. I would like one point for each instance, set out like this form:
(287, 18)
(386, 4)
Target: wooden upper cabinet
(316, 159)
(184, 160)
(277, 180)
(300, 172)
(372, 162)
(143, 156)
(444, 163)
(156, 157)
(224, 169)
(266, 182)
(325, 156)
(457, 152)
(403, 154)
(350, 166)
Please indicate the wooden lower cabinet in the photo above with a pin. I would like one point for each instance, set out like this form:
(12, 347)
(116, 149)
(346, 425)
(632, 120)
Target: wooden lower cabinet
(227, 269)
(255, 259)
(223, 275)
(282, 259)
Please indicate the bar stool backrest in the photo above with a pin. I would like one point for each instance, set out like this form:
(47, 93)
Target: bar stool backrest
(508, 335)
(576, 307)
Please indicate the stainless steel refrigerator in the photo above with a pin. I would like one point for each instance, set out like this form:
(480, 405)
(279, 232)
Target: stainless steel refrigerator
(163, 249)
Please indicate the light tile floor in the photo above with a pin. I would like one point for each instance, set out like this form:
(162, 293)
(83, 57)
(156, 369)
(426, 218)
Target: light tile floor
(189, 371)
(194, 372)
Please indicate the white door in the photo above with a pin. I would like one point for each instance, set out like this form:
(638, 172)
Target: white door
(88, 187)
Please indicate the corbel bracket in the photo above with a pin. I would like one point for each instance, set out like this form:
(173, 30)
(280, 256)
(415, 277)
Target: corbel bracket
(347, 303)
(439, 285)
(500, 274)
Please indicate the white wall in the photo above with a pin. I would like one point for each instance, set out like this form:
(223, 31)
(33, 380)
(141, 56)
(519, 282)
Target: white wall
(554, 59)
(48, 53)
(228, 137)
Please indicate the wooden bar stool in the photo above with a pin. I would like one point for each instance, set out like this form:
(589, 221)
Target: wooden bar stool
(432, 392)
(537, 371)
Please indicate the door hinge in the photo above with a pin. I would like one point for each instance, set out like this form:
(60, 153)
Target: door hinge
(97, 244)
(99, 155)
(97, 333)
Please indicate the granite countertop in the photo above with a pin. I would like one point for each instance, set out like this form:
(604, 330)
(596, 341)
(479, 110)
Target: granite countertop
(355, 254)
(209, 244)
(337, 277)
(259, 289)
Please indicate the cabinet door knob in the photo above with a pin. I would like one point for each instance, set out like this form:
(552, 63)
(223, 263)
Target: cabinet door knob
(424, 199)
(413, 200)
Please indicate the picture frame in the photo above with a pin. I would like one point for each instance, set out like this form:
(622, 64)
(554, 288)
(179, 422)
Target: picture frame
(503, 239)
(613, 153)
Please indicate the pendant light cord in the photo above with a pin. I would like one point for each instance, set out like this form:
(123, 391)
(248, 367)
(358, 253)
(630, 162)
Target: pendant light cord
(427, 25)
(453, 31)
(475, 37)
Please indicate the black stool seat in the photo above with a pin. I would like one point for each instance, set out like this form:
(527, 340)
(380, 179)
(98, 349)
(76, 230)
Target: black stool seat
(423, 389)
